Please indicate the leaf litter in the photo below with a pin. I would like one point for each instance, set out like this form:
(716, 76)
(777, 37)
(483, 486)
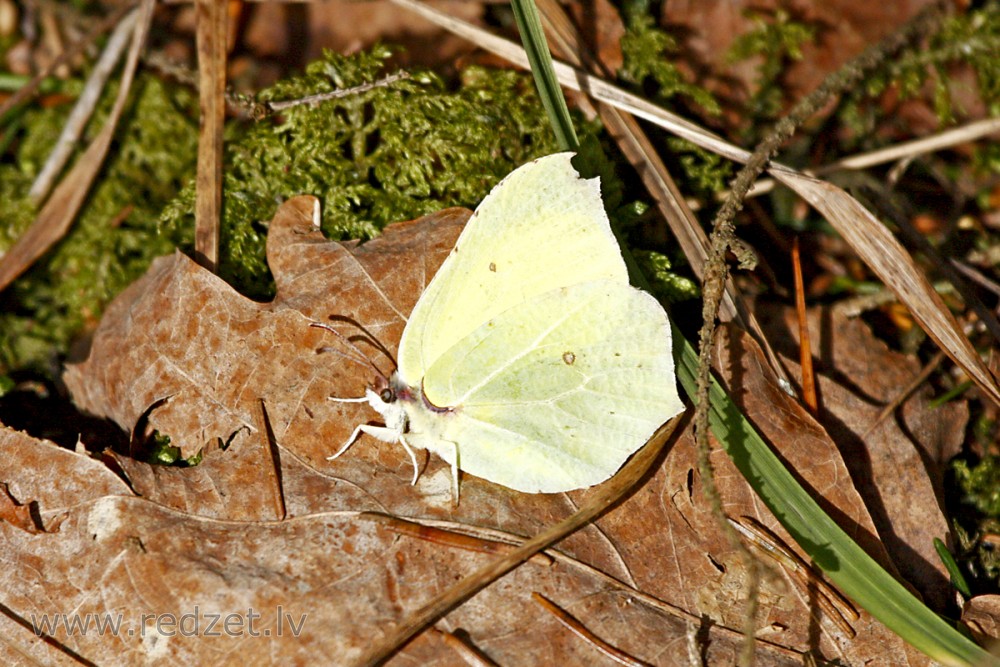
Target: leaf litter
(897, 463)
(649, 577)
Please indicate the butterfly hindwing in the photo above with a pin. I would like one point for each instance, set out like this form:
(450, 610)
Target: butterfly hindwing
(556, 392)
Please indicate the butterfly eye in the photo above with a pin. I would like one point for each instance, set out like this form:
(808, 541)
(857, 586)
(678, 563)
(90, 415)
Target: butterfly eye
(387, 395)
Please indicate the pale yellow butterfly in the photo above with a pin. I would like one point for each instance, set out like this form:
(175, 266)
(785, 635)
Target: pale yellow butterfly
(529, 360)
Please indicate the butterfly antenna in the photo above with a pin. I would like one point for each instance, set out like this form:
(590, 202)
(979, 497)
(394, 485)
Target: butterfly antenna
(360, 357)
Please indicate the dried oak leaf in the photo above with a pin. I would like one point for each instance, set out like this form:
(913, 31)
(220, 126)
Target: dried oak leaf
(181, 332)
(897, 463)
(55, 478)
(16, 513)
(313, 590)
(647, 577)
(216, 487)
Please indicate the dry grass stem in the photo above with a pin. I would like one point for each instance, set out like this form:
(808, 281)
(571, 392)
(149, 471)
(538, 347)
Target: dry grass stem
(61, 208)
(211, 43)
(82, 110)
(906, 150)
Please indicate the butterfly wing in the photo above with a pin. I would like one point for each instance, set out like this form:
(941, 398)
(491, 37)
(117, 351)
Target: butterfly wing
(554, 393)
(541, 228)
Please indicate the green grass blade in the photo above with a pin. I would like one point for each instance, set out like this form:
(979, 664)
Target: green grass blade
(847, 564)
(529, 24)
(957, 579)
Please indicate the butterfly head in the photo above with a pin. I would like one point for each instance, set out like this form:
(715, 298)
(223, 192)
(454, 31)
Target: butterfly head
(383, 389)
(387, 396)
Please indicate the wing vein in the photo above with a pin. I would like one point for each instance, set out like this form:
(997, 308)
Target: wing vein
(526, 350)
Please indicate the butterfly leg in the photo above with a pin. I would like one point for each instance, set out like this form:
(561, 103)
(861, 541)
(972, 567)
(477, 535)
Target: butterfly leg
(357, 431)
(413, 458)
(447, 450)
(382, 433)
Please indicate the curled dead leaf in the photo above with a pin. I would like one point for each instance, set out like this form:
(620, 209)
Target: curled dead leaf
(981, 615)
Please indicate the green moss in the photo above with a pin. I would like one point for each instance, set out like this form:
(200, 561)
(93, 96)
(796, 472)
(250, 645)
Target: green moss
(977, 485)
(776, 41)
(385, 155)
(115, 235)
(664, 282)
(16, 212)
(968, 40)
(160, 451)
(648, 53)
(980, 484)
(708, 173)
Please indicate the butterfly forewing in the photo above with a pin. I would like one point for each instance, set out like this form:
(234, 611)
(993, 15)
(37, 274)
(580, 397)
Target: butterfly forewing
(541, 228)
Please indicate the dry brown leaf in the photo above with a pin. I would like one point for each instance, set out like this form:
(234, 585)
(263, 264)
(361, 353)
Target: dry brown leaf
(981, 615)
(217, 487)
(899, 465)
(120, 557)
(844, 29)
(338, 578)
(649, 577)
(16, 513)
(808, 451)
(182, 333)
(54, 477)
(894, 266)
(601, 28)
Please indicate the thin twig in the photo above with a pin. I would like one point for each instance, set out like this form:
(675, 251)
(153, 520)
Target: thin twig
(210, 16)
(805, 346)
(724, 241)
(469, 653)
(976, 276)
(901, 397)
(448, 538)
(605, 496)
(584, 633)
(274, 107)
